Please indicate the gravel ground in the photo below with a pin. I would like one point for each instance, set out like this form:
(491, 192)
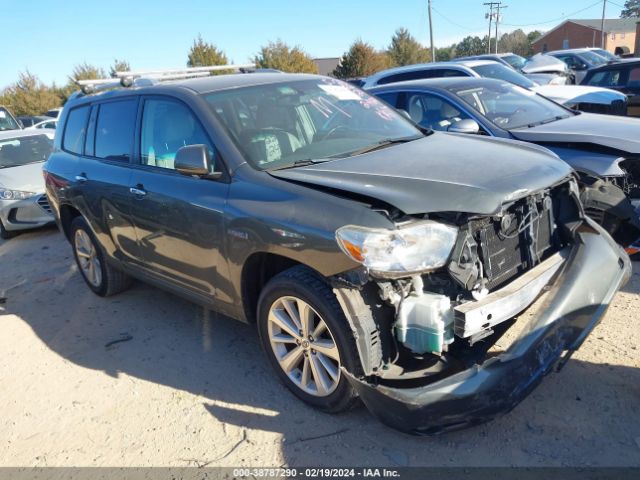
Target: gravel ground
(188, 387)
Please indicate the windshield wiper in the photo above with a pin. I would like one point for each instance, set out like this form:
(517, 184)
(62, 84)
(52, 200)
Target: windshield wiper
(298, 163)
(548, 120)
(382, 144)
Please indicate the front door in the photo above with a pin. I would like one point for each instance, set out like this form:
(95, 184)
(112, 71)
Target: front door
(178, 219)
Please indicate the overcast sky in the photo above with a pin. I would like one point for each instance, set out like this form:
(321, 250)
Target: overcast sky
(49, 38)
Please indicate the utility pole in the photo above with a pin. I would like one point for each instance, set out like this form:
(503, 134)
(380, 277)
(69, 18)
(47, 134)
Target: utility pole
(602, 34)
(433, 50)
(498, 7)
(490, 17)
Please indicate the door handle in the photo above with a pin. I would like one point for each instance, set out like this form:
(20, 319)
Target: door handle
(81, 178)
(137, 191)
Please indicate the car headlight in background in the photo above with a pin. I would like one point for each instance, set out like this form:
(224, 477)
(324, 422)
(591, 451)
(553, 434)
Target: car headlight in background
(558, 81)
(414, 248)
(6, 194)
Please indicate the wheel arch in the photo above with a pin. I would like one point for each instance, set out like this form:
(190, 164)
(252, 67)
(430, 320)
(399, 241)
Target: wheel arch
(258, 269)
(67, 214)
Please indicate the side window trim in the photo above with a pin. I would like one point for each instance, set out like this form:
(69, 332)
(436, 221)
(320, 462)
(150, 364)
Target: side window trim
(90, 137)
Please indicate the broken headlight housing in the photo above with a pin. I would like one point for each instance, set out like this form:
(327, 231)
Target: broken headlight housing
(410, 249)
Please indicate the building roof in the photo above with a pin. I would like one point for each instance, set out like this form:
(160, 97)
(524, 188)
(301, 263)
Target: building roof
(326, 66)
(611, 25)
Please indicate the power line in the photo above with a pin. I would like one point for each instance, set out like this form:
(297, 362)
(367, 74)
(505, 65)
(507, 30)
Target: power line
(555, 19)
(454, 23)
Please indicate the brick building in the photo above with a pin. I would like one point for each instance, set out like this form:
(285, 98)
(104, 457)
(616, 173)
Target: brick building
(619, 32)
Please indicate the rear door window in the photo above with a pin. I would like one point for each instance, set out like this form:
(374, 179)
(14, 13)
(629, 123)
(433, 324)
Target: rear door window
(75, 130)
(115, 129)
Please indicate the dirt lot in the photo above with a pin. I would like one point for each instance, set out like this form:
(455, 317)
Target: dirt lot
(191, 388)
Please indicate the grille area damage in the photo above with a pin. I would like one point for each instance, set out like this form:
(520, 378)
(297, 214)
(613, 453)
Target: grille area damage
(444, 320)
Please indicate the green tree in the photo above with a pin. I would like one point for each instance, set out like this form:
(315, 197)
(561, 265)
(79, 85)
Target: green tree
(445, 54)
(515, 42)
(405, 49)
(281, 56)
(471, 46)
(361, 60)
(29, 96)
(119, 66)
(532, 37)
(86, 71)
(631, 9)
(82, 71)
(204, 54)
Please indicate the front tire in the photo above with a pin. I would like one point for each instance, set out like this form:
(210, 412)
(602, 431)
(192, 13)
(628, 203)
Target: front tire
(6, 234)
(307, 339)
(102, 278)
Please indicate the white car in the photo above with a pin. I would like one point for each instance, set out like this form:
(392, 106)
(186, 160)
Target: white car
(49, 124)
(23, 203)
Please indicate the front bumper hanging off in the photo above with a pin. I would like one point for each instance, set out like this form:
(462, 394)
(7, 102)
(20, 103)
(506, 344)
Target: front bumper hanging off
(594, 270)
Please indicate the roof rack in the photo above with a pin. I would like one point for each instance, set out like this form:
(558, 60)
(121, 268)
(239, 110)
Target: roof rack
(150, 77)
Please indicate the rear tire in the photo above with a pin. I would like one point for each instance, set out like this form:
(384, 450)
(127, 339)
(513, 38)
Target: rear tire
(307, 349)
(101, 277)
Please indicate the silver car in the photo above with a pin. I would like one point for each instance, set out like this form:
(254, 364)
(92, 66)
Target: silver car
(23, 203)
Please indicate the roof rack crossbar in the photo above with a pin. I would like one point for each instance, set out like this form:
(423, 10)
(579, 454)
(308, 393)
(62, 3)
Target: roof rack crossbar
(186, 71)
(128, 78)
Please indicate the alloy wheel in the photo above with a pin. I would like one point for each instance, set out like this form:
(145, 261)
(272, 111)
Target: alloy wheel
(304, 346)
(88, 258)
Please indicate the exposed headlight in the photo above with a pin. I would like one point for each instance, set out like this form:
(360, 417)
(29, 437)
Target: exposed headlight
(414, 248)
(558, 81)
(6, 194)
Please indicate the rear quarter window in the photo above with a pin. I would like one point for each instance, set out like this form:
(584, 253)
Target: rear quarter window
(75, 130)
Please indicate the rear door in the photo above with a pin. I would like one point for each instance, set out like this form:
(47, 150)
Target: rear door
(178, 218)
(101, 137)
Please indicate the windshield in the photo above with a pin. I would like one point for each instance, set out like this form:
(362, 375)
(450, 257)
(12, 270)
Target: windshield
(500, 72)
(15, 152)
(509, 106)
(6, 121)
(516, 61)
(605, 54)
(593, 58)
(279, 124)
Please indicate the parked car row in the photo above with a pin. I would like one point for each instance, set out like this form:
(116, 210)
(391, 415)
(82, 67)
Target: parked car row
(381, 257)
(603, 149)
(9, 122)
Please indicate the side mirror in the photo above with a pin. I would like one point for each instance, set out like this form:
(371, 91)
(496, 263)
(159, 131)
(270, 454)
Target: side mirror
(195, 160)
(582, 66)
(464, 126)
(404, 113)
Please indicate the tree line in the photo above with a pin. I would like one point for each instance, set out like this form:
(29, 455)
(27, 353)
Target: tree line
(30, 96)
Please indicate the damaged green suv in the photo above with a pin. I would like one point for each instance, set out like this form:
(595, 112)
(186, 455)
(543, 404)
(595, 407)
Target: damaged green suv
(378, 261)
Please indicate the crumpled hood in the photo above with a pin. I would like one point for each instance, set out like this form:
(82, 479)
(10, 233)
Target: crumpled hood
(27, 178)
(574, 94)
(443, 172)
(620, 133)
(543, 64)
